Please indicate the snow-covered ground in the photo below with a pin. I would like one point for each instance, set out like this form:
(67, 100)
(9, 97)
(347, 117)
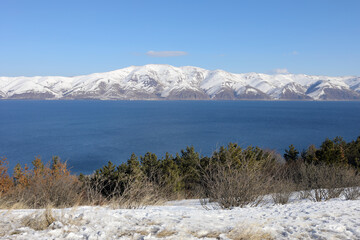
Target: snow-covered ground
(187, 219)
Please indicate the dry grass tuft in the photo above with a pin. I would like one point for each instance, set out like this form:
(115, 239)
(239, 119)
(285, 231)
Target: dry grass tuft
(165, 233)
(212, 234)
(132, 234)
(246, 233)
(38, 221)
(142, 232)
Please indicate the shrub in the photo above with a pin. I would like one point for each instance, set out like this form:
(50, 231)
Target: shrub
(130, 185)
(282, 191)
(231, 177)
(188, 168)
(291, 154)
(352, 153)
(335, 151)
(138, 193)
(133, 193)
(5, 180)
(50, 184)
(236, 177)
(323, 181)
(352, 193)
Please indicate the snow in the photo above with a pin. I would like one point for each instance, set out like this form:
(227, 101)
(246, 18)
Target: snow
(187, 219)
(250, 90)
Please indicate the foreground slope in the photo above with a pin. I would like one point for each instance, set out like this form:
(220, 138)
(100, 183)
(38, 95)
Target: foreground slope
(181, 83)
(334, 219)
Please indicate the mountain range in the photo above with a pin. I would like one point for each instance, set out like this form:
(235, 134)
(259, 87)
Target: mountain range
(165, 82)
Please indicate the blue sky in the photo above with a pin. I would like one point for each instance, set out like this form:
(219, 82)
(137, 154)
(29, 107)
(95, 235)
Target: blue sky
(81, 37)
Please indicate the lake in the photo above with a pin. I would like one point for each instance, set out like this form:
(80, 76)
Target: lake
(89, 133)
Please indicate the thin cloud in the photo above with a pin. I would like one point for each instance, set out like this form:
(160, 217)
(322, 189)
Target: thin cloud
(280, 71)
(292, 53)
(166, 53)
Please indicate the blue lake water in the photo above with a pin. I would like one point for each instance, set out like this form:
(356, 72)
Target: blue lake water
(89, 133)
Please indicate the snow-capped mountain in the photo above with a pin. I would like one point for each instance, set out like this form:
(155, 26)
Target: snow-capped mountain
(189, 83)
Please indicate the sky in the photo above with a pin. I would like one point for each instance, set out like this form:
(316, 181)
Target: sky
(76, 37)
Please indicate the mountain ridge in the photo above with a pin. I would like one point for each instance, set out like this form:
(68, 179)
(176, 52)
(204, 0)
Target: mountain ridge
(166, 82)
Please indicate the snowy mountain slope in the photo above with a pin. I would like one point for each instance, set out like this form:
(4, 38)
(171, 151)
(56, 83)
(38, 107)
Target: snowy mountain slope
(167, 82)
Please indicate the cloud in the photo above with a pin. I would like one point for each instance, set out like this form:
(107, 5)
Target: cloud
(166, 53)
(292, 53)
(280, 71)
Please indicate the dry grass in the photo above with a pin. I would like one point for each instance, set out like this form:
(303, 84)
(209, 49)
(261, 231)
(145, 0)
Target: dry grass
(165, 233)
(42, 219)
(39, 221)
(249, 232)
(211, 234)
(10, 205)
(132, 234)
(140, 193)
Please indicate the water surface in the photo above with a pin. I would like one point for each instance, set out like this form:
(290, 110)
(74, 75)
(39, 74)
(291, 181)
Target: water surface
(90, 133)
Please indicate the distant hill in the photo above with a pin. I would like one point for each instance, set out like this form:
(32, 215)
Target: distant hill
(165, 82)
